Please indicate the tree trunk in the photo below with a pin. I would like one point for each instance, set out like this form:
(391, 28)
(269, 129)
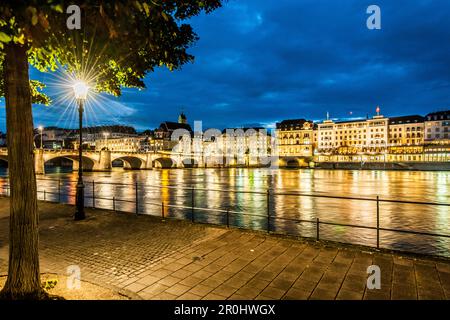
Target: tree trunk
(23, 280)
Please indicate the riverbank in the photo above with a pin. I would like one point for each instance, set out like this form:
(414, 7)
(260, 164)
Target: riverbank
(170, 259)
(402, 166)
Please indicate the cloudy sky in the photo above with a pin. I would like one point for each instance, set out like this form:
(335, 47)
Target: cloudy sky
(262, 61)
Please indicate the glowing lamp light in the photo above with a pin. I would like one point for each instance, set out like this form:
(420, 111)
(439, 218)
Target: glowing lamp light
(81, 90)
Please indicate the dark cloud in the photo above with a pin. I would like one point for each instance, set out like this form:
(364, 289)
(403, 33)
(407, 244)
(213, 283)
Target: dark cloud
(264, 61)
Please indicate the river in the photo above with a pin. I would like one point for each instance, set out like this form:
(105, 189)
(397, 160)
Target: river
(214, 189)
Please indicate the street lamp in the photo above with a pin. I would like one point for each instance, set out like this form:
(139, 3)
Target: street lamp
(41, 130)
(106, 135)
(80, 90)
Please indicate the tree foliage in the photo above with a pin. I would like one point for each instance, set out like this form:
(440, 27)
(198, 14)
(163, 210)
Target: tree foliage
(118, 44)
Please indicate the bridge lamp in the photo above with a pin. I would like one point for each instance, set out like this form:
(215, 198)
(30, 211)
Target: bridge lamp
(80, 90)
(106, 135)
(41, 130)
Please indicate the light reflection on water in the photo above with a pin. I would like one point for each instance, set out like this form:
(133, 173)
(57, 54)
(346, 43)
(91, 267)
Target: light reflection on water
(165, 186)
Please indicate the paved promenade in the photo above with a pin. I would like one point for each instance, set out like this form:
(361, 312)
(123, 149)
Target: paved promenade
(165, 259)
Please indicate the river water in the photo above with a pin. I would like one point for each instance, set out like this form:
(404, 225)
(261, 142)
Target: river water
(244, 193)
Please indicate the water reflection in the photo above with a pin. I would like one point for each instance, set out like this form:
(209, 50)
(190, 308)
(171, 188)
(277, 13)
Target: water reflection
(174, 189)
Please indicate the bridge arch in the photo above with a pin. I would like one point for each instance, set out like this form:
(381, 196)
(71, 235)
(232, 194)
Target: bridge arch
(130, 162)
(88, 163)
(189, 163)
(293, 162)
(163, 163)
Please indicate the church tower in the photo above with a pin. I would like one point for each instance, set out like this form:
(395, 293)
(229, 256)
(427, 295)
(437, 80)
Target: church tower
(182, 118)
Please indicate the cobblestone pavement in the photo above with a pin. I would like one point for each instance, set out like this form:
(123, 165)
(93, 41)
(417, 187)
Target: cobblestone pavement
(169, 259)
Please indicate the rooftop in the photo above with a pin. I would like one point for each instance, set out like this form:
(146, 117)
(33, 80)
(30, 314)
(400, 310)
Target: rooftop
(406, 119)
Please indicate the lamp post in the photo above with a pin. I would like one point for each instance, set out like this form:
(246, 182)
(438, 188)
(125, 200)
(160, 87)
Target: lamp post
(41, 130)
(106, 135)
(81, 90)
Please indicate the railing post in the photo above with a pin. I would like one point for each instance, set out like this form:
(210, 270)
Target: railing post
(162, 209)
(93, 194)
(193, 204)
(317, 229)
(114, 204)
(44, 196)
(268, 210)
(378, 222)
(137, 201)
(228, 217)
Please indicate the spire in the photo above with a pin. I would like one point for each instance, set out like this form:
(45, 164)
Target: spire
(328, 115)
(378, 110)
(182, 117)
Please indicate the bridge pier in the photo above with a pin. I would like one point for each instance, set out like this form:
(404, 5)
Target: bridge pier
(104, 162)
(148, 165)
(39, 162)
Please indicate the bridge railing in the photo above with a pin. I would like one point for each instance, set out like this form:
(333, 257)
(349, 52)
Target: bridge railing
(267, 219)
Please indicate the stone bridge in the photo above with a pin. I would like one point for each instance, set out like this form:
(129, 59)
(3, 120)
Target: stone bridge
(296, 161)
(102, 160)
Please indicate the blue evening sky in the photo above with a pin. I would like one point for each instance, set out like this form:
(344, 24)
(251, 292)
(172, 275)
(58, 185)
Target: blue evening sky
(262, 61)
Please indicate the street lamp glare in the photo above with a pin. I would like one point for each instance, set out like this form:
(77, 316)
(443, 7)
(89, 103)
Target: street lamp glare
(81, 90)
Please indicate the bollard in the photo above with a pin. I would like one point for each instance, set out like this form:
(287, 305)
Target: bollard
(59, 190)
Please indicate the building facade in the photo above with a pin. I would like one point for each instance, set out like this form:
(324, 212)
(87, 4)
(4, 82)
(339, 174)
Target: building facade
(353, 141)
(406, 138)
(163, 136)
(125, 144)
(378, 139)
(437, 137)
(296, 138)
(243, 146)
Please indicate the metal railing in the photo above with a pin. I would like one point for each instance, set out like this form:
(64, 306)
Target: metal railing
(191, 209)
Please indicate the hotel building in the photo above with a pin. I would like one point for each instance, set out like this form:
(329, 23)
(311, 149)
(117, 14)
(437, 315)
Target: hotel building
(350, 141)
(296, 138)
(437, 137)
(378, 139)
(406, 138)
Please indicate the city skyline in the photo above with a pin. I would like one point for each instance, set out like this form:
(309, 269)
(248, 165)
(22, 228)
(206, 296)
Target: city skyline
(328, 116)
(331, 62)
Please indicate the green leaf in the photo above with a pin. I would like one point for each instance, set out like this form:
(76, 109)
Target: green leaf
(34, 19)
(4, 37)
(58, 8)
(20, 39)
(146, 8)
